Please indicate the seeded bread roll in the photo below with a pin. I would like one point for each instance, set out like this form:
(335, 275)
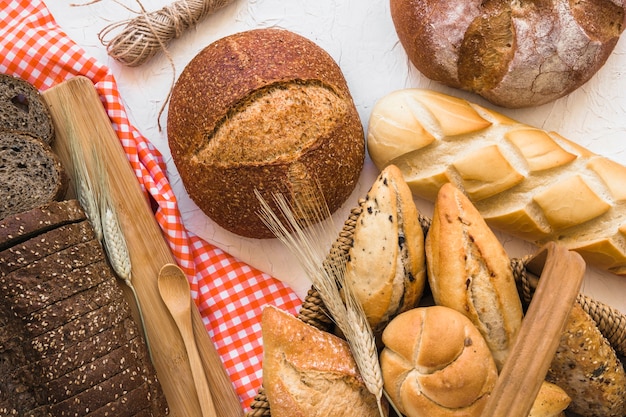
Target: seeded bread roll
(436, 363)
(31, 174)
(387, 264)
(531, 183)
(22, 109)
(264, 110)
(515, 54)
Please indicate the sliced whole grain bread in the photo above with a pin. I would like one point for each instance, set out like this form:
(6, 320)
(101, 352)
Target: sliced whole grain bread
(69, 344)
(38, 247)
(23, 109)
(31, 173)
(23, 226)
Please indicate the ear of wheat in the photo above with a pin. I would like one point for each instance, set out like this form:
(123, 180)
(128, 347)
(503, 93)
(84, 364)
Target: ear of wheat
(95, 198)
(309, 243)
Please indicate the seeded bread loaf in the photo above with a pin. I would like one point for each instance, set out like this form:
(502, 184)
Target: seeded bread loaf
(264, 110)
(515, 54)
(22, 109)
(587, 368)
(69, 345)
(528, 182)
(31, 174)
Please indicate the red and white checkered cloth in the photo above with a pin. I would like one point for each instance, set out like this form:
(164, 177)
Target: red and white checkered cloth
(229, 293)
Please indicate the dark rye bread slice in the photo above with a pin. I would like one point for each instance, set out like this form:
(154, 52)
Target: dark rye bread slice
(20, 227)
(54, 278)
(58, 340)
(23, 109)
(28, 383)
(139, 402)
(96, 372)
(31, 174)
(97, 396)
(40, 246)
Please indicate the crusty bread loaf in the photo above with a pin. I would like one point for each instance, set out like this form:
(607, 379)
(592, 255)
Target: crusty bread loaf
(308, 372)
(469, 271)
(31, 175)
(436, 363)
(587, 368)
(515, 54)
(22, 109)
(528, 182)
(386, 262)
(264, 110)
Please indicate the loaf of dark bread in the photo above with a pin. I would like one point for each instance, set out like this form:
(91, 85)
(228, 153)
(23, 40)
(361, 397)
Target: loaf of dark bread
(23, 109)
(515, 54)
(264, 110)
(69, 345)
(31, 173)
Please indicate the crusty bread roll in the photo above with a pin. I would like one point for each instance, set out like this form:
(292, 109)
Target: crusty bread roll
(515, 54)
(308, 372)
(436, 363)
(469, 271)
(551, 401)
(386, 262)
(528, 182)
(587, 368)
(264, 109)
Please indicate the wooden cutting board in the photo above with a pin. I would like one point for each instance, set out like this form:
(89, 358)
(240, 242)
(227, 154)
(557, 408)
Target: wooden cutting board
(78, 113)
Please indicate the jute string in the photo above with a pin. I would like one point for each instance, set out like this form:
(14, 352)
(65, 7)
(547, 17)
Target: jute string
(134, 41)
(144, 36)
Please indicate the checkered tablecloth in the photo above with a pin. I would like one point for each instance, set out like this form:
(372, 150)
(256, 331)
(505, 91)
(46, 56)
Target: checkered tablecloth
(229, 293)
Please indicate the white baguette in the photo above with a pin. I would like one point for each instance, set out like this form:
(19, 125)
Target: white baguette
(528, 182)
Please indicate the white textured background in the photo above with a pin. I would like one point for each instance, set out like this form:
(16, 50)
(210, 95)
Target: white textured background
(359, 35)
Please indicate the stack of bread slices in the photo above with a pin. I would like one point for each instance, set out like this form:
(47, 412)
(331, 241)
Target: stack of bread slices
(69, 344)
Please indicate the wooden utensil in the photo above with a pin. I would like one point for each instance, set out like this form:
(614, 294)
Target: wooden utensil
(176, 294)
(526, 366)
(78, 113)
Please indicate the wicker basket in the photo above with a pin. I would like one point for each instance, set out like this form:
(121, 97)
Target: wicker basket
(610, 322)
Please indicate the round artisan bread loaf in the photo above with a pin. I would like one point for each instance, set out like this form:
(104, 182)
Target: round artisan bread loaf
(436, 363)
(264, 110)
(513, 53)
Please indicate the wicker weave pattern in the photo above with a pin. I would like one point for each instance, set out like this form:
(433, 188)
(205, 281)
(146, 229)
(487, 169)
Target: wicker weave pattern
(610, 322)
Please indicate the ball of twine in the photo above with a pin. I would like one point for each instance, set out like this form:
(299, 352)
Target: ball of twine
(144, 36)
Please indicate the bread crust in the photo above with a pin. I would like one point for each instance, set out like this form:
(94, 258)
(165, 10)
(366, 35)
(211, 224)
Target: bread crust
(531, 183)
(264, 109)
(514, 54)
(469, 271)
(588, 369)
(308, 372)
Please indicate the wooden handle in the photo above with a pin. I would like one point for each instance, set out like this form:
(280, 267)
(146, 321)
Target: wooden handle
(78, 113)
(197, 370)
(528, 362)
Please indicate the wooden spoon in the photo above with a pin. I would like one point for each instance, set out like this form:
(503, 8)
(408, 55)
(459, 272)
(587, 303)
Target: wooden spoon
(528, 361)
(175, 292)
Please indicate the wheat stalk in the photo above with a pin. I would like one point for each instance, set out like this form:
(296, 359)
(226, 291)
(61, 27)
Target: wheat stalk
(83, 186)
(95, 198)
(309, 243)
